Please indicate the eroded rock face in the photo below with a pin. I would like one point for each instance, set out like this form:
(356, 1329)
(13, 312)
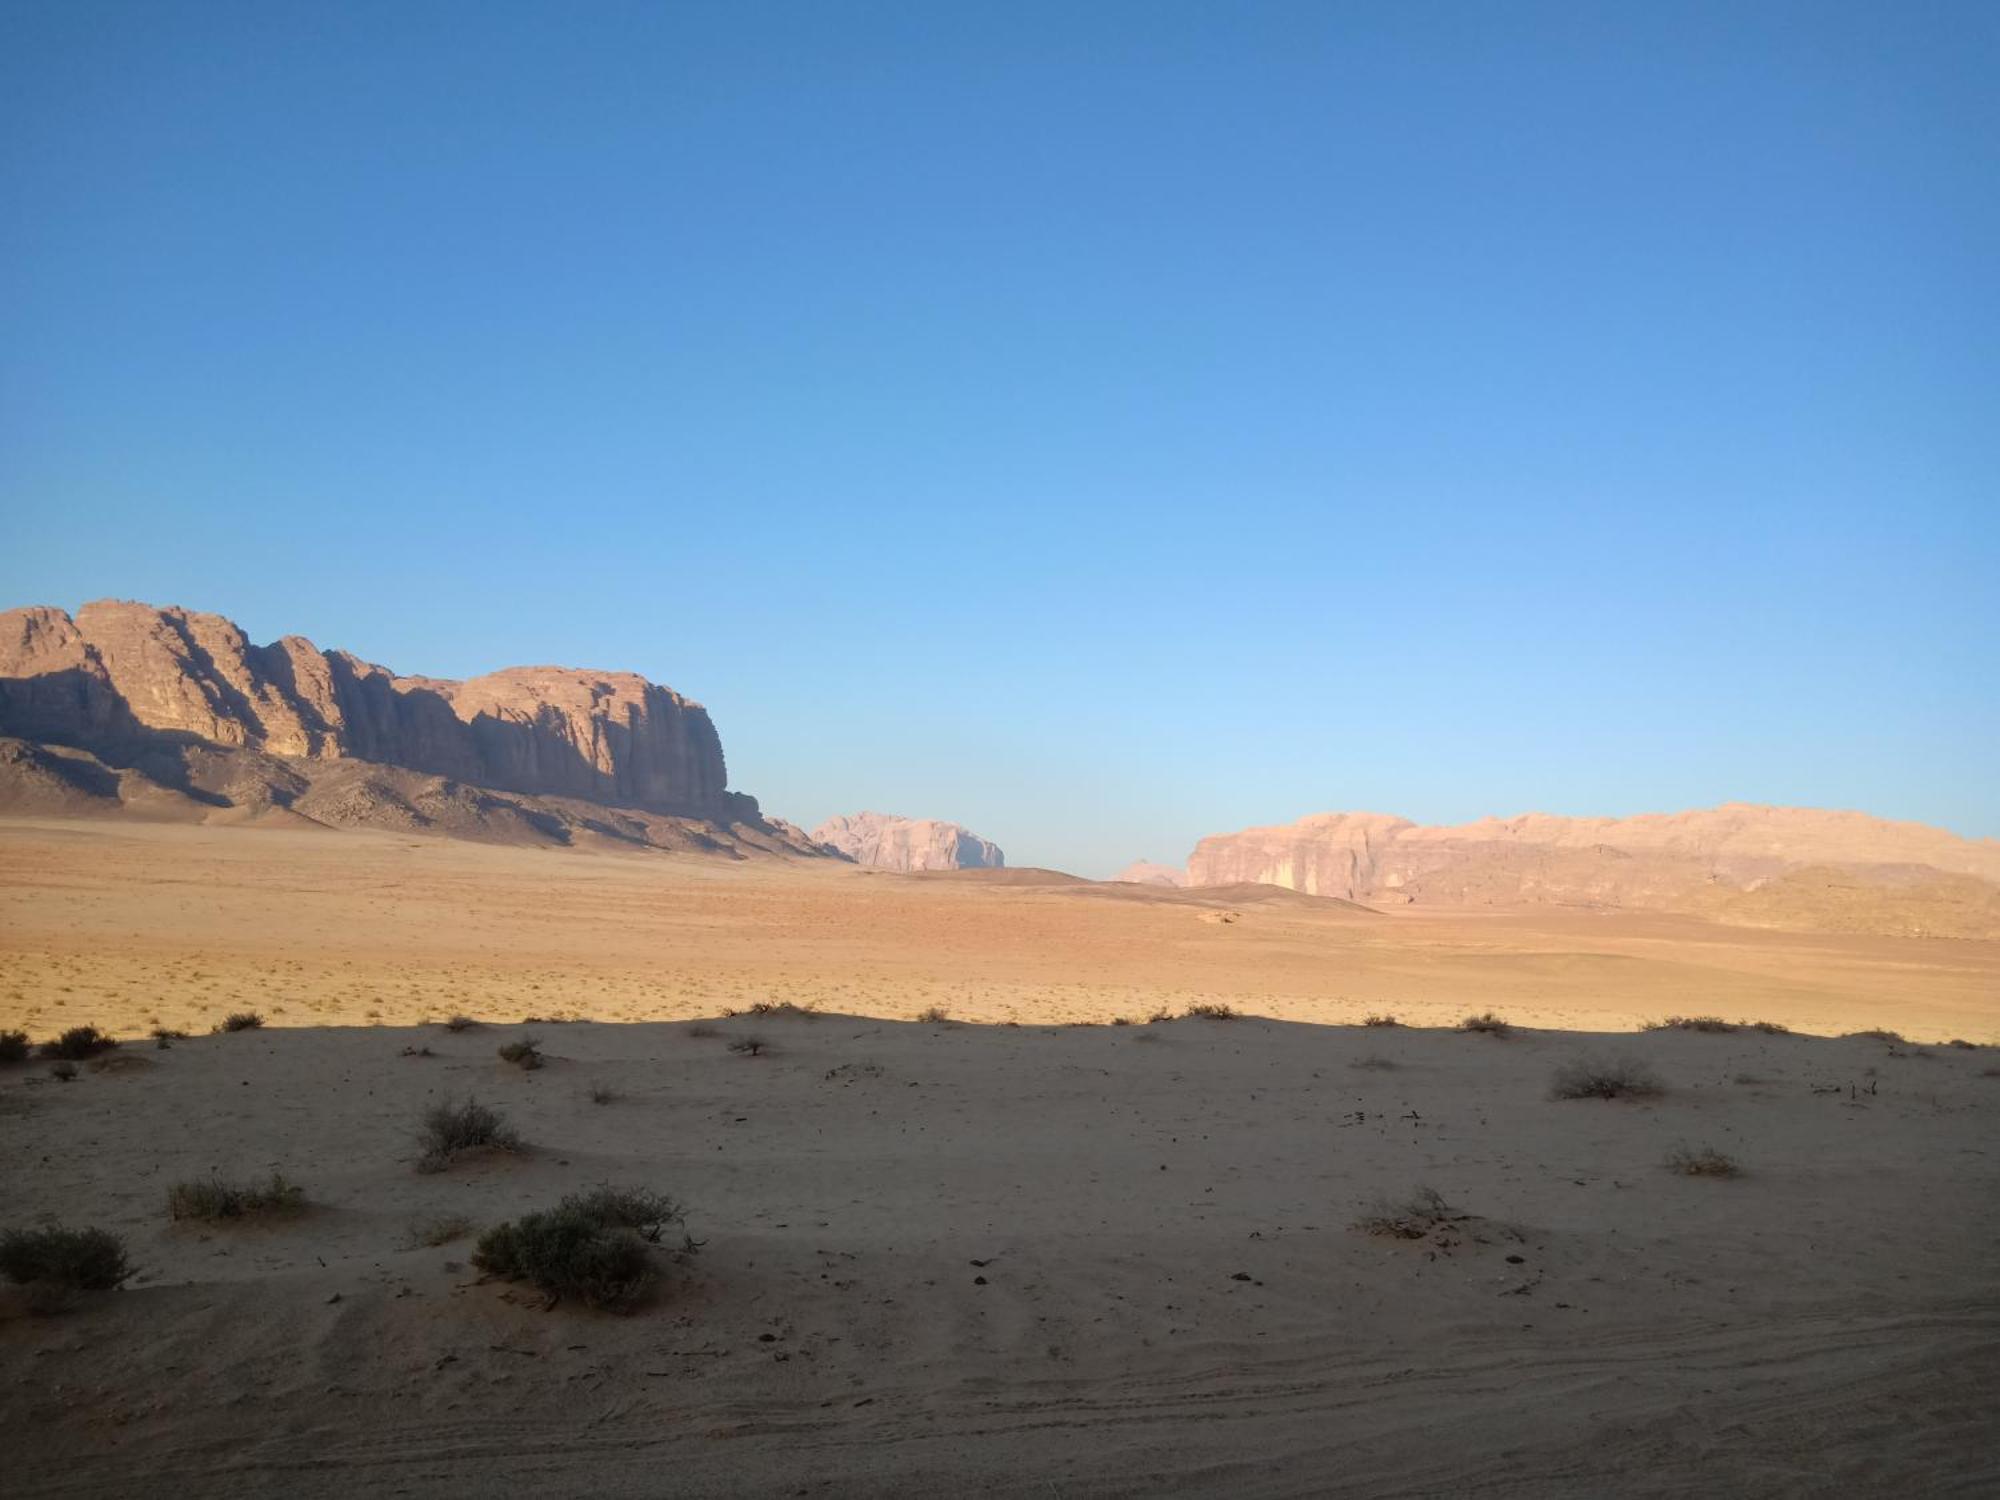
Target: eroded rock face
(1700, 861)
(122, 677)
(1146, 872)
(891, 843)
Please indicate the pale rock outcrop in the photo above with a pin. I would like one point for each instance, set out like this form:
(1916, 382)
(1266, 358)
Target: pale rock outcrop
(1146, 872)
(888, 842)
(1706, 861)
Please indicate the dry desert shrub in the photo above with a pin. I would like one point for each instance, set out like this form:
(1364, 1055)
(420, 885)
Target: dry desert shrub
(63, 1072)
(1875, 1034)
(1159, 1016)
(750, 1046)
(241, 1020)
(785, 1008)
(1423, 1211)
(1962, 1044)
(446, 1130)
(525, 1054)
(1690, 1023)
(593, 1247)
(1375, 1062)
(165, 1036)
(600, 1093)
(1703, 1161)
(1769, 1028)
(432, 1230)
(1487, 1024)
(1121, 1020)
(934, 1015)
(460, 1023)
(13, 1046)
(1605, 1078)
(1206, 1010)
(78, 1043)
(1380, 1020)
(215, 1200)
(703, 1029)
(56, 1263)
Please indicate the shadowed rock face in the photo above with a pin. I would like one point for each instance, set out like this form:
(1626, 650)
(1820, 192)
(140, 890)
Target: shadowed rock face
(892, 843)
(1771, 865)
(121, 678)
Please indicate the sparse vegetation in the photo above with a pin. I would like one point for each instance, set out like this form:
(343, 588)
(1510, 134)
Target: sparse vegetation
(1203, 1010)
(78, 1043)
(447, 1130)
(1417, 1216)
(525, 1054)
(1487, 1024)
(1380, 1020)
(1605, 1078)
(1876, 1034)
(601, 1093)
(1121, 1020)
(54, 1264)
(63, 1072)
(703, 1030)
(593, 1247)
(750, 1046)
(1703, 1161)
(13, 1046)
(1769, 1028)
(785, 1008)
(416, 1052)
(165, 1036)
(1158, 1016)
(432, 1230)
(1375, 1062)
(240, 1020)
(215, 1200)
(1962, 1044)
(934, 1015)
(460, 1023)
(1691, 1023)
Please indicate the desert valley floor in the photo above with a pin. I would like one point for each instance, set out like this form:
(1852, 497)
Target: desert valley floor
(1019, 1251)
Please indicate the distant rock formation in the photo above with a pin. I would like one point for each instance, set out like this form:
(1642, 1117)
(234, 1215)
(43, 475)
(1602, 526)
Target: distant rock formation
(891, 843)
(189, 705)
(1145, 872)
(1742, 862)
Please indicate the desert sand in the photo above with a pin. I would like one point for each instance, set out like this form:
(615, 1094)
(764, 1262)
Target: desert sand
(1022, 1251)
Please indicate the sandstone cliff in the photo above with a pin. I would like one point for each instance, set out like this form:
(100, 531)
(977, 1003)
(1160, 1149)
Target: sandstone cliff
(186, 702)
(1746, 862)
(891, 843)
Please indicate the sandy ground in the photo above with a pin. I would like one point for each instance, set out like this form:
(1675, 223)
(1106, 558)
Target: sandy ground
(1023, 1260)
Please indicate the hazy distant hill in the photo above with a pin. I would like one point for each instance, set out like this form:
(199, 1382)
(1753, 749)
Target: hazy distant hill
(1776, 866)
(889, 842)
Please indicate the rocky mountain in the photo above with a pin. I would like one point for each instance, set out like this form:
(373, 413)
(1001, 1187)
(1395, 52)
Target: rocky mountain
(1778, 866)
(1145, 872)
(177, 712)
(892, 843)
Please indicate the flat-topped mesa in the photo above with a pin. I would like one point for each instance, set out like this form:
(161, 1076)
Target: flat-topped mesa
(1779, 865)
(888, 842)
(121, 675)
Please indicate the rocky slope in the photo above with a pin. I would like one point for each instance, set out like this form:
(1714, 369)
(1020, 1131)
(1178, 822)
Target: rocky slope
(178, 713)
(1779, 866)
(891, 843)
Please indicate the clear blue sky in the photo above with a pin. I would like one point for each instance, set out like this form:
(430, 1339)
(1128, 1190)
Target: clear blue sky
(1102, 424)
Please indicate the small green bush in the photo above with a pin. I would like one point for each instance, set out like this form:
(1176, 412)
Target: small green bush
(241, 1020)
(215, 1200)
(78, 1043)
(447, 1129)
(64, 1260)
(591, 1248)
(13, 1046)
